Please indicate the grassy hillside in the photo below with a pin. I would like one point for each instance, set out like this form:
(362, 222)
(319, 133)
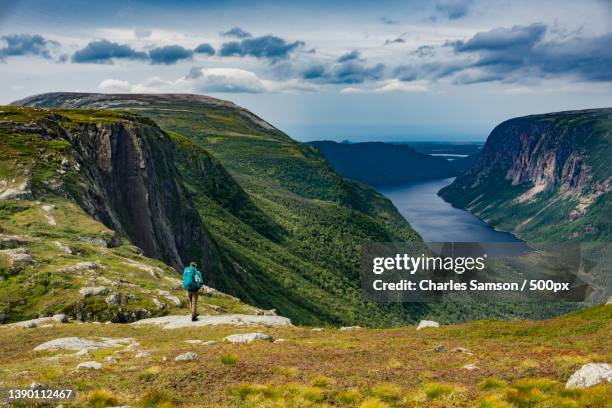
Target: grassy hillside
(519, 364)
(384, 164)
(296, 247)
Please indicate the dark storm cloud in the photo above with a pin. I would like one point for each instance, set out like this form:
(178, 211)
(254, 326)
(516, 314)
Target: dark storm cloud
(516, 54)
(236, 32)
(25, 44)
(502, 39)
(104, 52)
(204, 48)
(453, 9)
(169, 54)
(348, 72)
(268, 46)
(349, 56)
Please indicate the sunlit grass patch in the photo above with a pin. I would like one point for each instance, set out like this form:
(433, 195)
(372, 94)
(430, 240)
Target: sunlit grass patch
(349, 397)
(492, 401)
(101, 399)
(387, 391)
(373, 403)
(393, 364)
(435, 390)
(286, 371)
(149, 373)
(156, 399)
(320, 381)
(491, 383)
(229, 359)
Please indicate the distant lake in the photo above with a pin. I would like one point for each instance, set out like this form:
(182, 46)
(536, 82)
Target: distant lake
(435, 219)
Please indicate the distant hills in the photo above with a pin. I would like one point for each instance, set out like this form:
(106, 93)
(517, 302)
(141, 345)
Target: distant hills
(384, 164)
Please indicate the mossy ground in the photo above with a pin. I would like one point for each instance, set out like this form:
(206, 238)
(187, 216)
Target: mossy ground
(520, 364)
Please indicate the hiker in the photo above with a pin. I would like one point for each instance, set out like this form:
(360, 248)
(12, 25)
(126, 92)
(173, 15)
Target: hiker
(192, 282)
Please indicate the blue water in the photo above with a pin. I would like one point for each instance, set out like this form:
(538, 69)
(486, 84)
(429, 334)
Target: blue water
(438, 221)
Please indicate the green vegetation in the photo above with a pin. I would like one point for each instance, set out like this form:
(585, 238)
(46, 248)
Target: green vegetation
(520, 364)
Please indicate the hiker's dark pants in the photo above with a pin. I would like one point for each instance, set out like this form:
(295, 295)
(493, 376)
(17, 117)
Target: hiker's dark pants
(193, 303)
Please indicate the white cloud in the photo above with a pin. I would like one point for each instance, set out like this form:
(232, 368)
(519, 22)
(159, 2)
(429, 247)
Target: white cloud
(115, 85)
(231, 80)
(395, 85)
(351, 90)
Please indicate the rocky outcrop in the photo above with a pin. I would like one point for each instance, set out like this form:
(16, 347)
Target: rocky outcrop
(121, 170)
(177, 322)
(538, 171)
(131, 185)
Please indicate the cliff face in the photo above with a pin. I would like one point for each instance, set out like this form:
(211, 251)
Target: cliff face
(122, 172)
(543, 173)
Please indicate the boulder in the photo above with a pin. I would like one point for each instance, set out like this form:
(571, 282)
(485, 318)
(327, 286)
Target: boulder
(245, 338)
(186, 357)
(440, 349)
(470, 367)
(143, 354)
(589, 375)
(17, 257)
(78, 344)
(89, 365)
(350, 328)
(180, 321)
(196, 341)
(113, 299)
(60, 318)
(93, 291)
(427, 323)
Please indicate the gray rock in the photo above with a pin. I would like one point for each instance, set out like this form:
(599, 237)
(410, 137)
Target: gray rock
(159, 305)
(177, 322)
(427, 323)
(19, 193)
(590, 374)
(209, 343)
(63, 248)
(17, 257)
(470, 367)
(89, 365)
(278, 341)
(350, 328)
(317, 329)
(190, 356)
(60, 318)
(36, 386)
(245, 338)
(196, 341)
(113, 299)
(143, 354)
(77, 343)
(440, 349)
(93, 291)
(95, 241)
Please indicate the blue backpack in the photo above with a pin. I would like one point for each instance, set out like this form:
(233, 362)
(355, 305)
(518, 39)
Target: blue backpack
(192, 279)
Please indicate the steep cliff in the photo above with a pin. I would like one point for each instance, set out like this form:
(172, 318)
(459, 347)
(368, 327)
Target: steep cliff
(545, 177)
(88, 199)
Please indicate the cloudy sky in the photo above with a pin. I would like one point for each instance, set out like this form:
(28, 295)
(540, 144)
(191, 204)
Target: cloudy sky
(384, 70)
